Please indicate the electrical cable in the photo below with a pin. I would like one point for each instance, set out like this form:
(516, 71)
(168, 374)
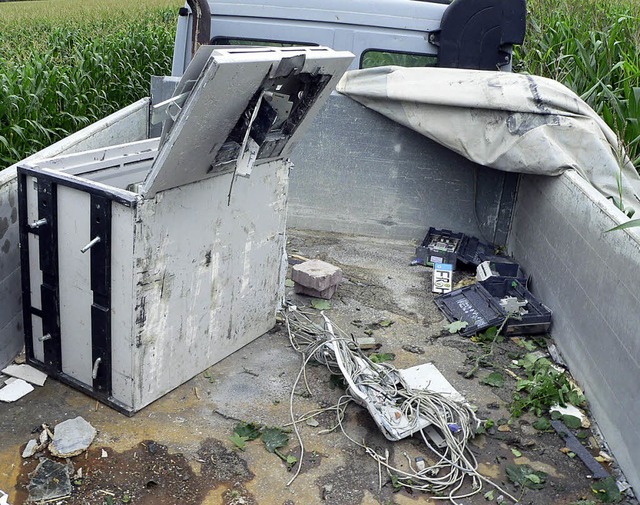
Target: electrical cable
(383, 391)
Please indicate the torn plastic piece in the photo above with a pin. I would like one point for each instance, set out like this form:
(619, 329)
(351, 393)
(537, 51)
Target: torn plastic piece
(492, 270)
(3, 498)
(15, 390)
(571, 410)
(514, 305)
(455, 428)
(49, 481)
(596, 469)
(442, 278)
(473, 251)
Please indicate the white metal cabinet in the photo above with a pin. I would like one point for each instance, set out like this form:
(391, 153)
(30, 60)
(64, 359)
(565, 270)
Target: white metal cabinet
(145, 263)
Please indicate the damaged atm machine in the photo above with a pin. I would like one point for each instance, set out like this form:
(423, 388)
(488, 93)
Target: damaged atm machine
(145, 263)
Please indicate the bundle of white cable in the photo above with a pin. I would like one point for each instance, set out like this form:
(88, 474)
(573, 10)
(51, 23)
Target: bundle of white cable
(380, 386)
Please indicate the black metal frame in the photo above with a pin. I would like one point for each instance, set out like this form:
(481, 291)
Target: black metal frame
(100, 223)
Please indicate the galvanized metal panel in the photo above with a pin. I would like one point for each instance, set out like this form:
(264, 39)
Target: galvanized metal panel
(207, 282)
(122, 303)
(589, 279)
(382, 179)
(75, 283)
(126, 125)
(188, 151)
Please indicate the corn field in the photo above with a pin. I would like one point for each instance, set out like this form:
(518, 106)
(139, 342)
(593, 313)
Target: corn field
(64, 63)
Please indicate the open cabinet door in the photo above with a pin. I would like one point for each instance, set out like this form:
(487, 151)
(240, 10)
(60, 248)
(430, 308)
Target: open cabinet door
(247, 105)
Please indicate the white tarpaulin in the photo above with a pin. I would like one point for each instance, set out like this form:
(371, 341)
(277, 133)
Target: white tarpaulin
(512, 122)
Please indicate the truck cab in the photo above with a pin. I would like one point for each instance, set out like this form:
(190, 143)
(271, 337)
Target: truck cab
(410, 33)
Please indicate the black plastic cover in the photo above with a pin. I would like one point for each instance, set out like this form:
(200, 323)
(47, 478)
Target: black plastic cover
(439, 246)
(478, 34)
(473, 304)
(538, 318)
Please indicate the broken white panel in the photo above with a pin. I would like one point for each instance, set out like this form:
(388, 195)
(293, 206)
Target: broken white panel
(573, 411)
(30, 449)
(3, 498)
(428, 377)
(27, 373)
(15, 390)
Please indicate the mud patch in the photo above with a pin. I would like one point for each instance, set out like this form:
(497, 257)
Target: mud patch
(148, 474)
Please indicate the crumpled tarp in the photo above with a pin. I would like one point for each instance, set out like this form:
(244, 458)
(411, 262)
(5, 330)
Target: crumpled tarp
(511, 122)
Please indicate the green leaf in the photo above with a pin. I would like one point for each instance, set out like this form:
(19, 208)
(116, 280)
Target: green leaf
(320, 304)
(533, 478)
(526, 476)
(239, 441)
(516, 452)
(385, 323)
(629, 224)
(382, 357)
(571, 422)
(274, 438)
(249, 431)
(494, 379)
(542, 424)
(607, 490)
(456, 326)
(489, 495)
(291, 460)
(289, 283)
(108, 500)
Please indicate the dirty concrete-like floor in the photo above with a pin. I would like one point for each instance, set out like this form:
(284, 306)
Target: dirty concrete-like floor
(178, 451)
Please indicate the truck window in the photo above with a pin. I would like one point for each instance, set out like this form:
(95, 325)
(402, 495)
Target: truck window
(226, 41)
(375, 58)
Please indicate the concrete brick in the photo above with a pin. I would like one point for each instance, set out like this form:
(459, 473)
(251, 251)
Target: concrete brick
(316, 274)
(325, 293)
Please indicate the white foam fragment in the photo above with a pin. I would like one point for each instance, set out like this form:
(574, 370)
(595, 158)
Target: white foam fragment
(27, 373)
(14, 391)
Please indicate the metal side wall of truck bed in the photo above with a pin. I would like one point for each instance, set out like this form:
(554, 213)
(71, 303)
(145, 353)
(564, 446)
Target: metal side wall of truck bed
(356, 171)
(589, 278)
(126, 125)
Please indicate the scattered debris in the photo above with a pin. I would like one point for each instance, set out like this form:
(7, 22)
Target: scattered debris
(3, 498)
(571, 411)
(398, 406)
(316, 278)
(30, 449)
(14, 390)
(103, 454)
(50, 481)
(525, 476)
(26, 373)
(494, 379)
(71, 437)
(574, 445)
(555, 354)
(456, 326)
(414, 349)
(442, 278)
(607, 490)
(367, 343)
(319, 304)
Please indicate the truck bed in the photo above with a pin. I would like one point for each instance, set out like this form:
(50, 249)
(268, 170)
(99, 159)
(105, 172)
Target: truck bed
(177, 450)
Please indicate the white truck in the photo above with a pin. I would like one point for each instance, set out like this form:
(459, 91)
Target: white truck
(358, 172)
